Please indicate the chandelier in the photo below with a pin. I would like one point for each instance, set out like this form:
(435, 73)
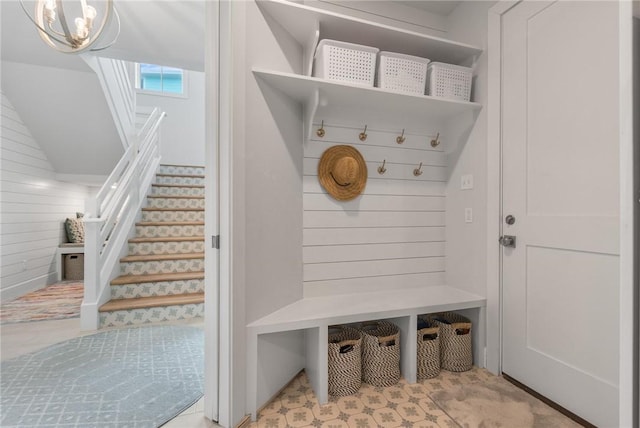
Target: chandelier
(89, 21)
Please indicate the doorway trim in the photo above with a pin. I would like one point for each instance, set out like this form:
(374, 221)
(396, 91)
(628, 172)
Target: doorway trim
(212, 390)
(494, 185)
(628, 353)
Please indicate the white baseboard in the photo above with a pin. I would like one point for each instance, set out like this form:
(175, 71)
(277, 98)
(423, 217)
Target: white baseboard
(15, 291)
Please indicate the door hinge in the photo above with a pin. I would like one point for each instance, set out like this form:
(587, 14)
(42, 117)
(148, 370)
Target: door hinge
(215, 242)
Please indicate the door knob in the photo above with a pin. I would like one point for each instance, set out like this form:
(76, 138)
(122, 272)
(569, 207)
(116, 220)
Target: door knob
(508, 241)
(510, 219)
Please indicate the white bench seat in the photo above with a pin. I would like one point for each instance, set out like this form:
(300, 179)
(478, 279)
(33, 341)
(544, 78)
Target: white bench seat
(316, 314)
(349, 308)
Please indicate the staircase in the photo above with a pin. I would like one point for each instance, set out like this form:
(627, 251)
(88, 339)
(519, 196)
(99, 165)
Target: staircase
(162, 277)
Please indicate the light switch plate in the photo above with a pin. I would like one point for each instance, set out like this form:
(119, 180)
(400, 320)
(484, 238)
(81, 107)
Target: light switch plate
(468, 215)
(466, 182)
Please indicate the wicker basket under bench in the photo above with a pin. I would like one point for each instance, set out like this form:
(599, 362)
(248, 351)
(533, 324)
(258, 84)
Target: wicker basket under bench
(315, 315)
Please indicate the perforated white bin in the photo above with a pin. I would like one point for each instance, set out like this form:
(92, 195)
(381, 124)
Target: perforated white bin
(449, 81)
(402, 73)
(345, 62)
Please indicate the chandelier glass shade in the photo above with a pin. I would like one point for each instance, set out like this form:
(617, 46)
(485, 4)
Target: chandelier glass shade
(74, 26)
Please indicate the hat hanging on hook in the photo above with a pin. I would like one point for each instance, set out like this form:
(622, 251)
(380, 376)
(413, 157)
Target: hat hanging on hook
(342, 172)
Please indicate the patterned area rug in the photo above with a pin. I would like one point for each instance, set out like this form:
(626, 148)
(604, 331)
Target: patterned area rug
(137, 378)
(54, 302)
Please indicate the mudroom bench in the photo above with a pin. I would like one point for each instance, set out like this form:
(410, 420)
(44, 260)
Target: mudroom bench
(314, 316)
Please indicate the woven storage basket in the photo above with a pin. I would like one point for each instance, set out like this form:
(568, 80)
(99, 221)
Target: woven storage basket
(402, 73)
(380, 353)
(455, 341)
(345, 361)
(345, 62)
(449, 81)
(74, 266)
(428, 350)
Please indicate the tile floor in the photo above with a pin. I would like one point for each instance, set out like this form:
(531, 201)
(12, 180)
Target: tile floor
(470, 399)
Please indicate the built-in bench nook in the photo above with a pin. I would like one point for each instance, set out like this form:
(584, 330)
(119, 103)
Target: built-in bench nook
(381, 255)
(314, 315)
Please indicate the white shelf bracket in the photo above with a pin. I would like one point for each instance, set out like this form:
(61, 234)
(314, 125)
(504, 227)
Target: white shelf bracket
(310, 49)
(310, 109)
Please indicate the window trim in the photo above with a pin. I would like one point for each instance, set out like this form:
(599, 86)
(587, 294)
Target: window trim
(185, 85)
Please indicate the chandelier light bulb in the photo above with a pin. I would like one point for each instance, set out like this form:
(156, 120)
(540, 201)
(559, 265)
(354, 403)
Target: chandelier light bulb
(50, 11)
(90, 14)
(81, 29)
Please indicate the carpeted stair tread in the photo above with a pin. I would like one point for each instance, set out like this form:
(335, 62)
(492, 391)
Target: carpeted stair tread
(170, 223)
(171, 209)
(157, 277)
(181, 175)
(152, 302)
(191, 186)
(162, 257)
(166, 239)
(175, 196)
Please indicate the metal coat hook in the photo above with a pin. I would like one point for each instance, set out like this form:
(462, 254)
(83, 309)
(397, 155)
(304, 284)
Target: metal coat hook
(436, 141)
(320, 131)
(400, 139)
(363, 134)
(381, 168)
(418, 171)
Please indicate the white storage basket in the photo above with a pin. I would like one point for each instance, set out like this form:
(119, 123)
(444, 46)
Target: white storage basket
(402, 73)
(345, 62)
(449, 81)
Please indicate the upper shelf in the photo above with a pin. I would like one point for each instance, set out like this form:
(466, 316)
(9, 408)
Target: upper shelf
(299, 20)
(304, 88)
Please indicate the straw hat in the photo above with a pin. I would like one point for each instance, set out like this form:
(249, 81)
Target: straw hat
(342, 172)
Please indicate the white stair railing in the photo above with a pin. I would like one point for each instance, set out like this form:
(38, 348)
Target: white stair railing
(111, 214)
(116, 79)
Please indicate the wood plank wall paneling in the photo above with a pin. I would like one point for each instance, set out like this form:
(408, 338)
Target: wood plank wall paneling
(33, 207)
(393, 235)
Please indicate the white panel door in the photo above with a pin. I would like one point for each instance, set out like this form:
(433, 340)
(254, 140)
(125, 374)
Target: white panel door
(560, 183)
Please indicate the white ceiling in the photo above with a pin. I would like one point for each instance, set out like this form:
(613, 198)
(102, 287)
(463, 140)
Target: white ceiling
(443, 8)
(166, 32)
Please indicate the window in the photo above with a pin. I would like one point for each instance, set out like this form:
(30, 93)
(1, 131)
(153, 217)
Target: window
(161, 79)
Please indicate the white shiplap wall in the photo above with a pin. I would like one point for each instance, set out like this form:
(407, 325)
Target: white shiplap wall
(33, 207)
(390, 237)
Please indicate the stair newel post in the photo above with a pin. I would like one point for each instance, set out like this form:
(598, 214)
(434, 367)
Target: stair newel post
(89, 317)
(91, 208)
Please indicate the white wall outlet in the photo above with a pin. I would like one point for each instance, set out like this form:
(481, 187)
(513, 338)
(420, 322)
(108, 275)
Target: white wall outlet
(466, 182)
(23, 265)
(468, 215)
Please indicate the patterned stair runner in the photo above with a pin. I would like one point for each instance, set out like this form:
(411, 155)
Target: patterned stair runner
(162, 277)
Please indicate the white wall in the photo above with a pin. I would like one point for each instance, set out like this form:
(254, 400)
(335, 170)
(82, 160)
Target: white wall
(466, 242)
(33, 207)
(182, 132)
(267, 198)
(389, 13)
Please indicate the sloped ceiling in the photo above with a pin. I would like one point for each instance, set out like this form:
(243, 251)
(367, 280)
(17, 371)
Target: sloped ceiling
(165, 32)
(59, 97)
